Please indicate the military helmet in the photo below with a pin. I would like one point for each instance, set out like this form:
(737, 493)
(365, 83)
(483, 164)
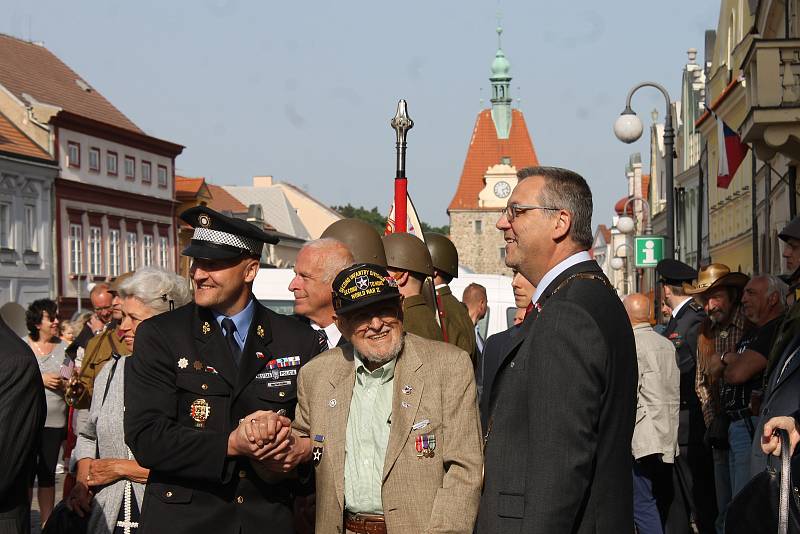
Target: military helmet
(407, 252)
(443, 253)
(362, 239)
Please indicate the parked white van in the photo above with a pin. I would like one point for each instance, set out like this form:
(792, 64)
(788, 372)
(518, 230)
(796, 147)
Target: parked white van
(271, 289)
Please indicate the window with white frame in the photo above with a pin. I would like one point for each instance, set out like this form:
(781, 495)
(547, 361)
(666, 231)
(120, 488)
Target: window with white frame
(163, 252)
(113, 252)
(147, 246)
(94, 159)
(130, 168)
(130, 252)
(5, 225)
(95, 250)
(147, 169)
(30, 228)
(73, 154)
(111, 163)
(162, 176)
(75, 248)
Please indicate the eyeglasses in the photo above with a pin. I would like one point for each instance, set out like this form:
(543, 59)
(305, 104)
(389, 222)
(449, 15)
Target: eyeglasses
(362, 320)
(512, 210)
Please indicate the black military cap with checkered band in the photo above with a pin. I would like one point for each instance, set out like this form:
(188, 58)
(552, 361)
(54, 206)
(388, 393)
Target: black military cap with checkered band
(218, 237)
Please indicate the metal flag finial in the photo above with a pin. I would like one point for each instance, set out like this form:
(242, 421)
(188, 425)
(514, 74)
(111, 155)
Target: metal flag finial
(401, 123)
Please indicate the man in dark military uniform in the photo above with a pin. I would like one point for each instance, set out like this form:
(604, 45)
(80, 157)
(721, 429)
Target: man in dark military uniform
(457, 327)
(693, 477)
(790, 326)
(201, 374)
(409, 264)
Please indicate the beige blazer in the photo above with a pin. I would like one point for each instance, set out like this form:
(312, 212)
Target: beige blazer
(421, 495)
(658, 398)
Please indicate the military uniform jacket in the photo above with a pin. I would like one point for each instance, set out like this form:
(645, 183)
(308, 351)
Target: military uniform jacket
(434, 394)
(457, 324)
(683, 329)
(558, 455)
(184, 395)
(419, 319)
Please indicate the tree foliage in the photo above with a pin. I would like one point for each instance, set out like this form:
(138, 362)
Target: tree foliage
(377, 220)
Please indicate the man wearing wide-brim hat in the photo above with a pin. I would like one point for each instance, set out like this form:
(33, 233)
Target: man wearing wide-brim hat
(719, 291)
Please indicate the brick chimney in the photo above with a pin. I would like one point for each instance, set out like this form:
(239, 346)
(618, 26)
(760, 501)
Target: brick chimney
(262, 181)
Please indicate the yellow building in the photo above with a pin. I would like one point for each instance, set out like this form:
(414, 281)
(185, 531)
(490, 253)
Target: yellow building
(729, 209)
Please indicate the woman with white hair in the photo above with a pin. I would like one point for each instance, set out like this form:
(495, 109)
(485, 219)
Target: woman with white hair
(107, 471)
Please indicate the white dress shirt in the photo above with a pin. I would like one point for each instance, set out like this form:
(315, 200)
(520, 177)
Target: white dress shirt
(331, 332)
(553, 273)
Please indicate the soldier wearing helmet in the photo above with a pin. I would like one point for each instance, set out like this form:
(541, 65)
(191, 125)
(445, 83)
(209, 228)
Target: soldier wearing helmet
(409, 263)
(363, 241)
(457, 327)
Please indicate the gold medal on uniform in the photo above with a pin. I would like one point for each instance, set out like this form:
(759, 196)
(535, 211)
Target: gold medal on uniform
(200, 410)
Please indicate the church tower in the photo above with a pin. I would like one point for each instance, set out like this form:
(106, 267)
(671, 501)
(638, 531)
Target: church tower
(499, 146)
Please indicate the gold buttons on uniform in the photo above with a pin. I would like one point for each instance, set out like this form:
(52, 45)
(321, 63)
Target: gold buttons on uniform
(168, 494)
(204, 386)
(240, 499)
(242, 474)
(282, 394)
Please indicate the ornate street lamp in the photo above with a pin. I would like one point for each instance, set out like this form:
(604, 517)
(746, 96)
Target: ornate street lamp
(626, 224)
(619, 262)
(628, 128)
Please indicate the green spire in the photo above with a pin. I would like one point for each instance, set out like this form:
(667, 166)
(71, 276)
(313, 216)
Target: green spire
(501, 96)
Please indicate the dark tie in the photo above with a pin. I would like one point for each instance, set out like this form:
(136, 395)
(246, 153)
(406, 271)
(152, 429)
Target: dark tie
(323, 340)
(229, 328)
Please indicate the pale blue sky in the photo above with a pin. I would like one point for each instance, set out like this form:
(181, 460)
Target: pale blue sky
(304, 91)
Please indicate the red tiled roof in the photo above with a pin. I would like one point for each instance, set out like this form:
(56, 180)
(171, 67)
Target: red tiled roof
(191, 186)
(12, 140)
(486, 150)
(221, 200)
(30, 68)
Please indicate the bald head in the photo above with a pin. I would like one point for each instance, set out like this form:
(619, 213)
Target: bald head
(638, 308)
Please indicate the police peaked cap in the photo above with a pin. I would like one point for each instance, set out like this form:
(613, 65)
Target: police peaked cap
(674, 272)
(218, 237)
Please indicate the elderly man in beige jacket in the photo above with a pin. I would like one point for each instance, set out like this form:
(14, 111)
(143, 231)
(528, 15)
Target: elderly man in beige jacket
(655, 436)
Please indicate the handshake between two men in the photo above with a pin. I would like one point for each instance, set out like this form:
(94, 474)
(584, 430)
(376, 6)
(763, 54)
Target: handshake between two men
(266, 438)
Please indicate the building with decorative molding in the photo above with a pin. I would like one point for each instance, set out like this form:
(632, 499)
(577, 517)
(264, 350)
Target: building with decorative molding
(115, 205)
(499, 146)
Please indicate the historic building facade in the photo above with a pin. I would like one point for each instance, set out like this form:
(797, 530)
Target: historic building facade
(499, 146)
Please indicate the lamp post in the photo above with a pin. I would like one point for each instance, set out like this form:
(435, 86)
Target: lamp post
(627, 224)
(617, 263)
(628, 128)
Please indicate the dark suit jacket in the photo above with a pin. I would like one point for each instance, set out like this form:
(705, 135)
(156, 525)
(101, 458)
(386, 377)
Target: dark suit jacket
(558, 457)
(22, 414)
(494, 351)
(682, 330)
(782, 397)
(180, 358)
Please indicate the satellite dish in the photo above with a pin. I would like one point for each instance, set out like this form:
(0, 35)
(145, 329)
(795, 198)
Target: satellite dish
(14, 316)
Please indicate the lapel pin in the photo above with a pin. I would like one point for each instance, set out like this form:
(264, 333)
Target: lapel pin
(260, 331)
(317, 455)
(404, 404)
(198, 365)
(260, 355)
(407, 389)
(183, 363)
(332, 403)
(206, 328)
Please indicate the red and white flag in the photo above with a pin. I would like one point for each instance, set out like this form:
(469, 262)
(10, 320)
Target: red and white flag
(414, 226)
(731, 152)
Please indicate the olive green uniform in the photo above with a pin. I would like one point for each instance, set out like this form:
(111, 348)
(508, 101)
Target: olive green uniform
(98, 352)
(419, 319)
(457, 324)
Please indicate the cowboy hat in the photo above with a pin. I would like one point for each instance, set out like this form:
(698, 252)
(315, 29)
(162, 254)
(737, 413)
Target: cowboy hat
(715, 275)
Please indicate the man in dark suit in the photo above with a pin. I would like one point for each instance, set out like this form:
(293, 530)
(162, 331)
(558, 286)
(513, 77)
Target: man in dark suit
(558, 440)
(199, 376)
(22, 414)
(693, 498)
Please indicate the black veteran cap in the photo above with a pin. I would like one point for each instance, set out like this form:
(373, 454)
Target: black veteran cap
(361, 285)
(217, 237)
(674, 272)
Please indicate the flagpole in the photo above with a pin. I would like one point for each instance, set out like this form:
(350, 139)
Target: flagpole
(401, 123)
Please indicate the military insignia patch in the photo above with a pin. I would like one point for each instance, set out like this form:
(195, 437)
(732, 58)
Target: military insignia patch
(206, 328)
(204, 220)
(316, 455)
(200, 410)
(183, 363)
(260, 331)
(198, 365)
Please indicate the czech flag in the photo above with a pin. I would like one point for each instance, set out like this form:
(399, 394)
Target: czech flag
(731, 153)
(413, 225)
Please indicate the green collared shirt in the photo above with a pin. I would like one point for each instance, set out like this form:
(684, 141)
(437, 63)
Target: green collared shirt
(368, 428)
